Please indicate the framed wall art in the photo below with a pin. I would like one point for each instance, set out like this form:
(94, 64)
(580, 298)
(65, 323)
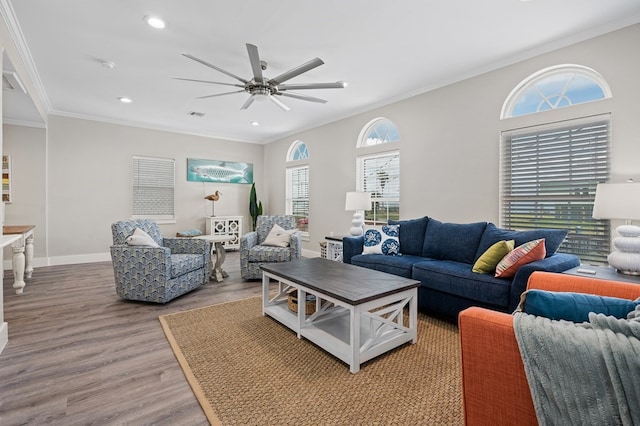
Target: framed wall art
(6, 178)
(219, 171)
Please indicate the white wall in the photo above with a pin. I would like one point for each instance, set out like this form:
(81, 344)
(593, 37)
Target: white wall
(450, 139)
(27, 147)
(449, 157)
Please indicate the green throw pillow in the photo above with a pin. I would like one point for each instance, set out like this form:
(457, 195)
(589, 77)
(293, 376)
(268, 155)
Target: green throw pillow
(486, 264)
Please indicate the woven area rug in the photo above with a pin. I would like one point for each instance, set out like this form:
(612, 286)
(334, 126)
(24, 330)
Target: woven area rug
(247, 369)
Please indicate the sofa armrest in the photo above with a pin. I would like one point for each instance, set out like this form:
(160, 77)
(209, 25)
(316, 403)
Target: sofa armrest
(187, 245)
(564, 282)
(495, 390)
(351, 246)
(248, 240)
(295, 244)
(558, 262)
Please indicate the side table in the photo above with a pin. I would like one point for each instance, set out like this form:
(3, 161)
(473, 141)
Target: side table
(217, 245)
(334, 247)
(603, 273)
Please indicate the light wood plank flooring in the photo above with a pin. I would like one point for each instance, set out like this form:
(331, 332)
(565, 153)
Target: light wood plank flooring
(79, 355)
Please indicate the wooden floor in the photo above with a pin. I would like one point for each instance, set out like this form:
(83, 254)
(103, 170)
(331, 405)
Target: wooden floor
(79, 355)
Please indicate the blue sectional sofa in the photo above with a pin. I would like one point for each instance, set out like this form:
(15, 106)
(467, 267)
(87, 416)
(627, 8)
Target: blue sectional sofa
(441, 256)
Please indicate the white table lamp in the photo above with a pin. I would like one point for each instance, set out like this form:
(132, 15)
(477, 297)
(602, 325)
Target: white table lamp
(621, 201)
(357, 202)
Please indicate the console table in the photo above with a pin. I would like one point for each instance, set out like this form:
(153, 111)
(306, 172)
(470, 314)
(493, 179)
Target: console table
(226, 225)
(22, 254)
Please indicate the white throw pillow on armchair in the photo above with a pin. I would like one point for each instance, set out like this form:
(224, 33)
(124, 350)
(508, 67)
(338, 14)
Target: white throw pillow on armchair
(278, 237)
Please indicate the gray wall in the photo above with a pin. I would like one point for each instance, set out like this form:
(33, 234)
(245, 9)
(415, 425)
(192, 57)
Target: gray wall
(450, 139)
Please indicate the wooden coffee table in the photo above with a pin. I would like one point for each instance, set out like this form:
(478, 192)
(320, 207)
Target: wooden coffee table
(359, 312)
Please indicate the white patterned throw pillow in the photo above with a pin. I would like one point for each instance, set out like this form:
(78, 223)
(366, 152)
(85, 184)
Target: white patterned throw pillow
(382, 240)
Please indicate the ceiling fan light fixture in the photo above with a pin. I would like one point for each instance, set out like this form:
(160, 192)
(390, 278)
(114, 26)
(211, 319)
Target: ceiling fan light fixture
(155, 22)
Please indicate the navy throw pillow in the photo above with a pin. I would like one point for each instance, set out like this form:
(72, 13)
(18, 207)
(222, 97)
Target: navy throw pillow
(573, 306)
(411, 234)
(452, 241)
(492, 234)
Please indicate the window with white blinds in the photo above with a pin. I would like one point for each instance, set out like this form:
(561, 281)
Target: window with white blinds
(298, 196)
(379, 174)
(549, 179)
(153, 181)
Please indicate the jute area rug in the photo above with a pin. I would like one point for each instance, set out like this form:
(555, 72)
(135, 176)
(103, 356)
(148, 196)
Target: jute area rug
(247, 369)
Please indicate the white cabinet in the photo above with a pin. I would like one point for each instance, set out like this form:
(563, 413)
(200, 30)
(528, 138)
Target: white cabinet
(226, 225)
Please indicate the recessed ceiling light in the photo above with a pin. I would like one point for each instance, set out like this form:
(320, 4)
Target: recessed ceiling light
(255, 123)
(155, 22)
(125, 100)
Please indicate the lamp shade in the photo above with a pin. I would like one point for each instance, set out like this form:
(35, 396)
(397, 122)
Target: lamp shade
(358, 201)
(617, 201)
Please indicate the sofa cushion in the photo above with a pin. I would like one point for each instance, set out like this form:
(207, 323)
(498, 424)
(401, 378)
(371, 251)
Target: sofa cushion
(269, 254)
(411, 234)
(492, 234)
(453, 241)
(486, 264)
(573, 306)
(397, 265)
(457, 279)
(521, 255)
(183, 263)
(381, 240)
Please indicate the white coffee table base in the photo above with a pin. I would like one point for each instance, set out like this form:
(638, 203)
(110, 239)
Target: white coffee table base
(351, 333)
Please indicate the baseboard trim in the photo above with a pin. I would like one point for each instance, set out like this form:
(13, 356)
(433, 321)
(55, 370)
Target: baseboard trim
(64, 260)
(95, 257)
(4, 335)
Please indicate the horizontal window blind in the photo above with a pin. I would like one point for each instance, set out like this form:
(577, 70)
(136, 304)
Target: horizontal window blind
(549, 180)
(298, 196)
(153, 187)
(380, 175)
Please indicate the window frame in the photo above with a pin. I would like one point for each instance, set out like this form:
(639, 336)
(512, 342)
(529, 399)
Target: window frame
(293, 165)
(162, 177)
(578, 201)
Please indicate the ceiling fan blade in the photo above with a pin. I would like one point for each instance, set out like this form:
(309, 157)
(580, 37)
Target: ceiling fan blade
(220, 94)
(316, 62)
(207, 81)
(336, 85)
(304, 97)
(205, 63)
(279, 103)
(248, 102)
(256, 66)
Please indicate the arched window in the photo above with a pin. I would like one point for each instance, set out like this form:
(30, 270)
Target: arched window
(549, 171)
(378, 131)
(298, 151)
(297, 190)
(378, 172)
(555, 87)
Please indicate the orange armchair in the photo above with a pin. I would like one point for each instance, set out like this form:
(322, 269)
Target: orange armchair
(494, 385)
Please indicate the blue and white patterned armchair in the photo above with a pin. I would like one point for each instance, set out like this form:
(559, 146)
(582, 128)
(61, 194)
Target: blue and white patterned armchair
(157, 274)
(252, 254)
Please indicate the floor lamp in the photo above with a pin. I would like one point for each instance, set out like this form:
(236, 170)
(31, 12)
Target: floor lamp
(621, 201)
(357, 202)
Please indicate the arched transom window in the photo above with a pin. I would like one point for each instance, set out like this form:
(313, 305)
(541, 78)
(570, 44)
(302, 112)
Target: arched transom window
(378, 131)
(555, 87)
(298, 151)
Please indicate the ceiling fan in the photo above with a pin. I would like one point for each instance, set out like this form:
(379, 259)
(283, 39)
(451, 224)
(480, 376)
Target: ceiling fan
(260, 87)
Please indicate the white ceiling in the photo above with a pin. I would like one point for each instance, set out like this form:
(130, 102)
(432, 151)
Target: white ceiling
(385, 50)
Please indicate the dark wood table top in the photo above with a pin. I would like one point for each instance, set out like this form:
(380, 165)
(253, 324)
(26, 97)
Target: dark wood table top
(348, 283)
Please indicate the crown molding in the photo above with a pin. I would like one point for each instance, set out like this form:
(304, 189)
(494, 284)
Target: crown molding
(15, 32)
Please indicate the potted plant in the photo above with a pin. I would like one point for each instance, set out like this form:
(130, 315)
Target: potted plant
(255, 206)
